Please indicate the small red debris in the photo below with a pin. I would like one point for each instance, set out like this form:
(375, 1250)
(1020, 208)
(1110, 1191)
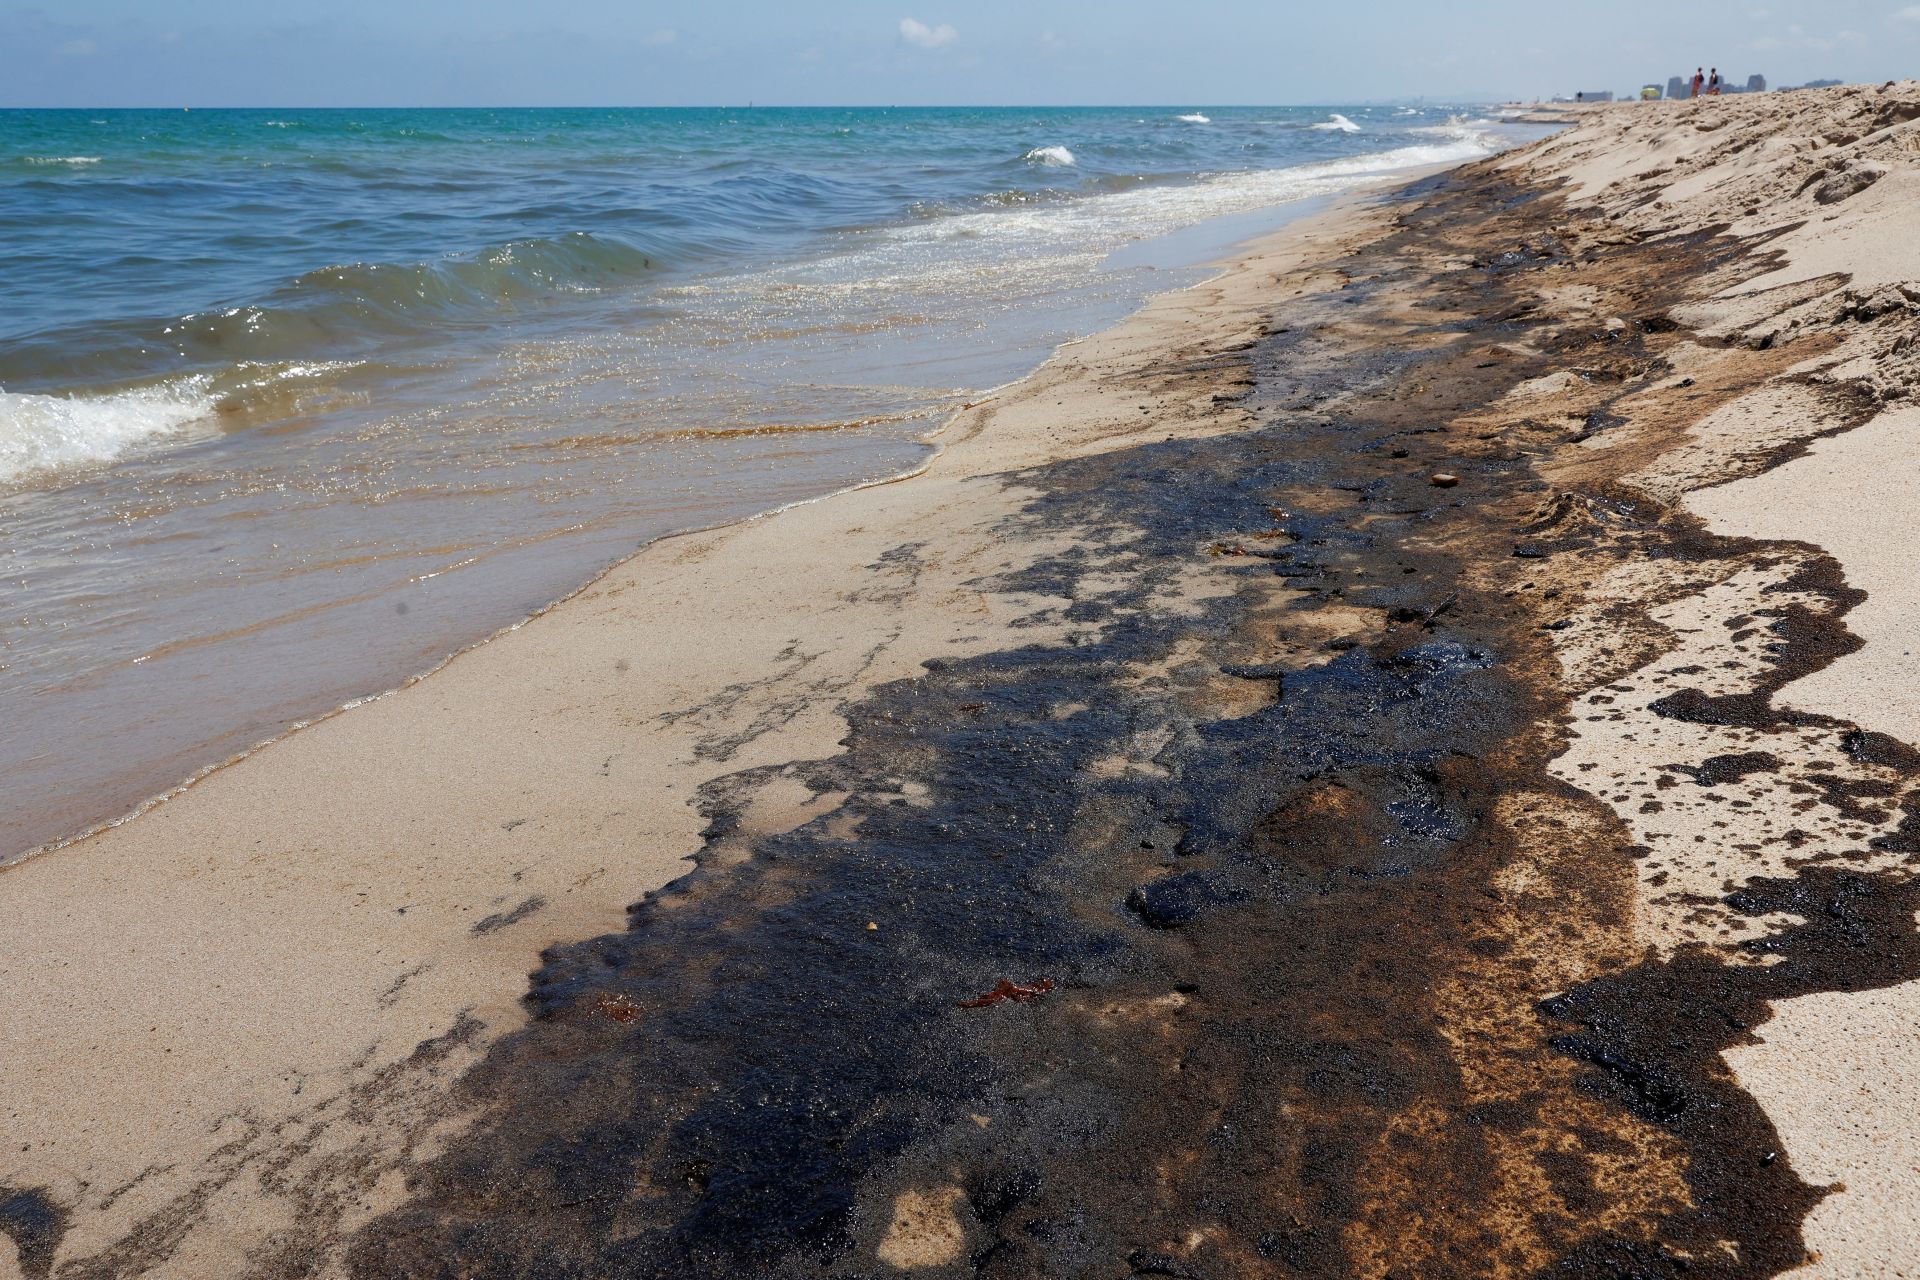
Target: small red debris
(1010, 990)
(619, 1008)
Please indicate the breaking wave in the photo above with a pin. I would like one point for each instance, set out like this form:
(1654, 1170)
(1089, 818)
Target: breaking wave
(1339, 124)
(43, 433)
(1049, 155)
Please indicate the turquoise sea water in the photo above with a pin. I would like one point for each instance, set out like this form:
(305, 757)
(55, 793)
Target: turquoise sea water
(294, 403)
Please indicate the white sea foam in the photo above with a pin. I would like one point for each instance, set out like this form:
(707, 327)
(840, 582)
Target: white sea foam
(42, 432)
(1339, 123)
(1049, 155)
(1456, 129)
(63, 159)
(1194, 118)
(1030, 248)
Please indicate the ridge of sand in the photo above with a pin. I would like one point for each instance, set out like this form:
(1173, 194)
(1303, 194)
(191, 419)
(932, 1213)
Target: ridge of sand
(1829, 181)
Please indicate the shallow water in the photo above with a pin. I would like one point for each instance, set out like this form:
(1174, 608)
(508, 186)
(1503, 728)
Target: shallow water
(297, 403)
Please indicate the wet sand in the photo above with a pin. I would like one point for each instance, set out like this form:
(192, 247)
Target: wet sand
(1419, 722)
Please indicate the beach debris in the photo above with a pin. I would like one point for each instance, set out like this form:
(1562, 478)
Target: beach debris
(1427, 619)
(1008, 989)
(1227, 549)
(872, 927)
(619, 1008)
(1443, 480)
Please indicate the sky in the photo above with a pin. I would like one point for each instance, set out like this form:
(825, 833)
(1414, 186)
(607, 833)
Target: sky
(207, 53)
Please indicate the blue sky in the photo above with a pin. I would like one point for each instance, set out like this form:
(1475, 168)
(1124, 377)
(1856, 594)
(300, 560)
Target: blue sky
(601, 52)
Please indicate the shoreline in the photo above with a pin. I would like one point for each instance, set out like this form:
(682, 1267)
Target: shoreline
(1221, 251)
(1406, 706)
(403, 1040)
(350, 524)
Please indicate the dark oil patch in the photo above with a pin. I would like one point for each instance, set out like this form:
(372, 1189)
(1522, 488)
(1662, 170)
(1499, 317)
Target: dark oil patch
(1807, 640)
(1656, 1034)
(35, 1224)
(501, 919)
(783, 1057)
(1248, 1063)
(1716, 771)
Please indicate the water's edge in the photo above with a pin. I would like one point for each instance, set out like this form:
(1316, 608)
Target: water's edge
(1211, 244)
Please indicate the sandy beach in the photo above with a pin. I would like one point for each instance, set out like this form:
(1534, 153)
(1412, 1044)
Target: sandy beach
(1401, 760)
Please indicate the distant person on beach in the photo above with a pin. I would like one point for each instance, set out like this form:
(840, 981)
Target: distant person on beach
(1713, 84)
(1699, 78)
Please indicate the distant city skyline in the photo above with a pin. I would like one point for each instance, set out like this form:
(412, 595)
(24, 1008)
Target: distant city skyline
(107, 53)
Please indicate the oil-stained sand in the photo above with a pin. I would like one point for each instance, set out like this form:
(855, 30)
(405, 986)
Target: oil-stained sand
(1303, 868)
(1298, 947)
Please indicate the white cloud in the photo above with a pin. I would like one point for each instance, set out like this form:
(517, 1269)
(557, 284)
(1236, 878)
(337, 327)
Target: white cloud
(1909, 14)
(916, 32)
(665, 35)
(79, 48)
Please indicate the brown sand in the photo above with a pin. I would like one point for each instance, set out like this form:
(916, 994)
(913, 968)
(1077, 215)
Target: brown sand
(232, 1017)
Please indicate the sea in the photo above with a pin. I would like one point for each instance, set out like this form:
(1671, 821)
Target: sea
(296, 403)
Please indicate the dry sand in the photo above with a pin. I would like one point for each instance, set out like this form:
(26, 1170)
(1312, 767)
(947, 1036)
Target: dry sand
(231, 1019)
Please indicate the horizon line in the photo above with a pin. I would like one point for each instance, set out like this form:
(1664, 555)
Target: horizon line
(1464, 100)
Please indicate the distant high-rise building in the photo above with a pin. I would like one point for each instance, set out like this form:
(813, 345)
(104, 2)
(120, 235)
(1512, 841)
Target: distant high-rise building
(1677, 87)
(1756, 84)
